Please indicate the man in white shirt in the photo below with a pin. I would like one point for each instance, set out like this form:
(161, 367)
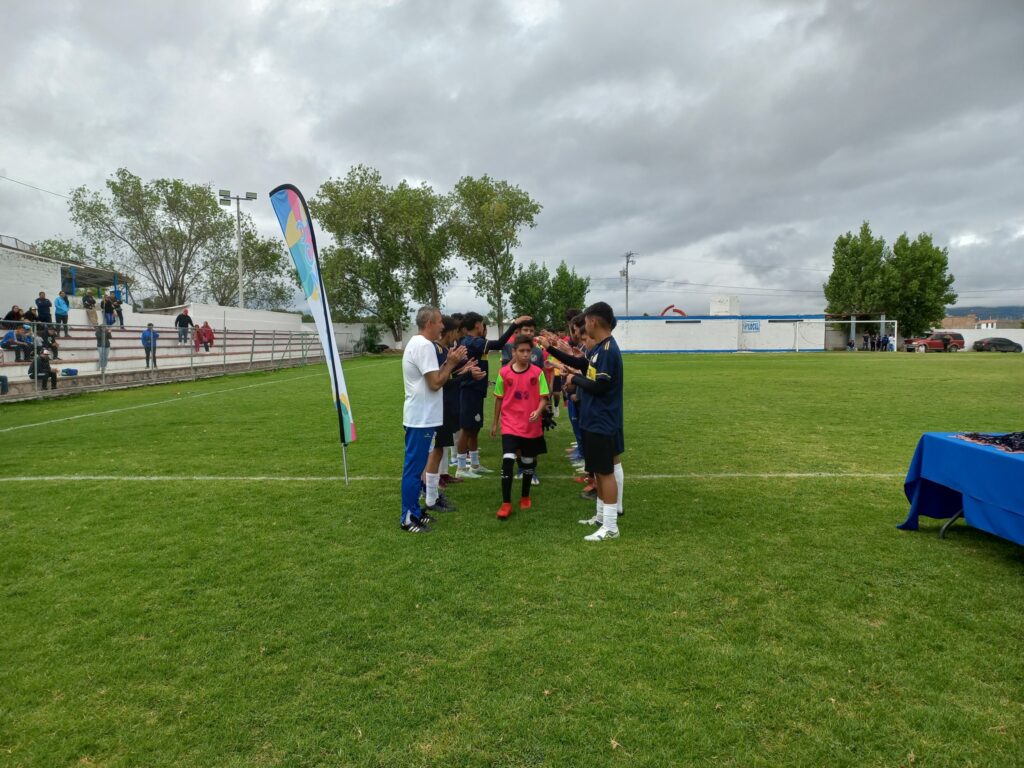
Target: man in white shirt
(423, 412)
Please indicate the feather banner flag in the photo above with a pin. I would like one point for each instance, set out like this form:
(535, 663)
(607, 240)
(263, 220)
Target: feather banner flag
(293, 216)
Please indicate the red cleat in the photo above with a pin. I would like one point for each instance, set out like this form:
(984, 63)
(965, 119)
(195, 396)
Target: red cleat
(580, 479)
(525, 503)
(451, 479)
(504, 511)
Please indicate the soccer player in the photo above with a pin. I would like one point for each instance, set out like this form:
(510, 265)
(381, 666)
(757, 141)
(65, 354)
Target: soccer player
(423, 411)
(474, 391)
(598, 378)
(520, 399)
(435, 500)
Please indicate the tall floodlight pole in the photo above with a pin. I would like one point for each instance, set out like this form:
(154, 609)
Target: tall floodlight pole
(624, 272)
(225, 200)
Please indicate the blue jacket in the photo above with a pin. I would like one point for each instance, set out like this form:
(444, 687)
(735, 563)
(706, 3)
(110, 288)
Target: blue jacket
(60, 305)
(149, 338)
(8, 338)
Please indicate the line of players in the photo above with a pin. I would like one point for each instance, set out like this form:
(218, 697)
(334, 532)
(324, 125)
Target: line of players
(584, 364)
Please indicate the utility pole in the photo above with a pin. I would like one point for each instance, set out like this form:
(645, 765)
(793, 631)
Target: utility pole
(624, 272)
(225, 199)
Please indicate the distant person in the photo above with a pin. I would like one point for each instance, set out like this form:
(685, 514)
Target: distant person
(43, 306)
(204, 336)
(107, 305)
(103, 338)
(15, 341)
(867, 340)
(118, 311)
(13, 318)
(892, 343)
(61, 308)
(89, 304)
(48, 340)
(884, 345)
(148, 338)
(183, 322)
(30, 316)
(945, 342)
(40, 369)
(851, 346)
(4, 386)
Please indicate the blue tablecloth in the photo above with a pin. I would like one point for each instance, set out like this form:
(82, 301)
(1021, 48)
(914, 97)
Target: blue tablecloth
(948, 474)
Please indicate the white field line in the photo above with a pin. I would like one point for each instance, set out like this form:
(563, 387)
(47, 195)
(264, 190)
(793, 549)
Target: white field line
(183, 398)
(385, 478)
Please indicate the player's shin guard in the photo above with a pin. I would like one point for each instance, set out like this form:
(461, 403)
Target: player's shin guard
(508, 462)
(528, 467)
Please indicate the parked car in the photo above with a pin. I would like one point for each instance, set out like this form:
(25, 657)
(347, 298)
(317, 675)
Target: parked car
(996, 344)
(933, 342)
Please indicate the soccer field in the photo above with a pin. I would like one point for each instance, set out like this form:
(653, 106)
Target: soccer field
(184, 580)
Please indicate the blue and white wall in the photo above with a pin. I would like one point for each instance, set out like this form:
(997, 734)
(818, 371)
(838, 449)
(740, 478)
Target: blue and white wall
(722, 333)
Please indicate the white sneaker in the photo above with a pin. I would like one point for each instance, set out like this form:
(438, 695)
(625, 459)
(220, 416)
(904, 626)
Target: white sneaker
(595, 520)
(464, 473)
(480, 469)
(601, 534)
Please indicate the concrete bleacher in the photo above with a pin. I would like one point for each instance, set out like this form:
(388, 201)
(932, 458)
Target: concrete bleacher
(232, 351)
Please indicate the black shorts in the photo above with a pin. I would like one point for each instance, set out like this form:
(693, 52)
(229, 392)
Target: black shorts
(599, 451)
(526, 446)
(556, 384)
(445, 437)
(471, 410)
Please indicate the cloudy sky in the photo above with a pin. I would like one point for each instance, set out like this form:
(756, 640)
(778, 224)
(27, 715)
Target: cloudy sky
(726, 143)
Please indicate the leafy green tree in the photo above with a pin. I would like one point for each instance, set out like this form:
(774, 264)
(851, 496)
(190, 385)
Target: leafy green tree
(530, 293)
(163, 232)
(419, 221)
(487, 217)
(568, 291)
(855, 285)
(67, 250)
(266, 267)
(365, 273)
(917, 284)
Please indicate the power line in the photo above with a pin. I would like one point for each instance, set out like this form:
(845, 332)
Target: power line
(33, 186)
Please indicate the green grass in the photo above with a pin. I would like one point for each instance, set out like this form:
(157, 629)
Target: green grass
(736, 622)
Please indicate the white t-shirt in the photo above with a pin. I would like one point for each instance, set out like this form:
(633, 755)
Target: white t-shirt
(424, 407)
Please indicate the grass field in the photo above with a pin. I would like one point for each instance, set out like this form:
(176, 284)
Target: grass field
(744, 618)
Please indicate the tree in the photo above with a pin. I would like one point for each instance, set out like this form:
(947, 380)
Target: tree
(487, 218)
(63, 249)
(419, 221)
(530, 293)
(568, 291)
(365, 271)
(163, 232)
(855, 285)
(266, 268)
(917, 284)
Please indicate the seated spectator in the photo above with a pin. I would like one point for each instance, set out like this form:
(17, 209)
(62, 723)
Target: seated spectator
(30, 315)
(40, 369)
(182, 322)
(89, 304)
(15, 340)
(60, 312)
(13, 318)
(48, 339)
(43, 305)
(204, 336)
(851, 346)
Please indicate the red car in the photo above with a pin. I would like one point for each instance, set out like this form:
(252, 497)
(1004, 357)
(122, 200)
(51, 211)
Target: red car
(936, 342)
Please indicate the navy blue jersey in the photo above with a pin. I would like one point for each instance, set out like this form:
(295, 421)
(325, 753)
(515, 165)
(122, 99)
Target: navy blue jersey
(537, 355)
(450, 391)
(476, 349)
(603, 413)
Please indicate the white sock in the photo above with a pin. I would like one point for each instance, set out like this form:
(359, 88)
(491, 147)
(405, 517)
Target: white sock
(463, 460)
(610, 517)
(444, 458)
(618, 484)
(432, 481)
(474, 458)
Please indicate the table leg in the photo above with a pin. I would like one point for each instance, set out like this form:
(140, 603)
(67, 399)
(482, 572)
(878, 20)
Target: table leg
(945, 525)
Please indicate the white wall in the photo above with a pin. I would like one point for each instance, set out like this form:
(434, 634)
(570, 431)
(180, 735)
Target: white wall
(232, 318)
(971, 335)
(23, 276)
(754, 333)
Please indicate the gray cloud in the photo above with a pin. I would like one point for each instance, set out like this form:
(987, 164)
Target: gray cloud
(727, 143)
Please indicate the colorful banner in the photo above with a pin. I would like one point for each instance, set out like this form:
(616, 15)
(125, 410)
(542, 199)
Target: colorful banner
(293, 215)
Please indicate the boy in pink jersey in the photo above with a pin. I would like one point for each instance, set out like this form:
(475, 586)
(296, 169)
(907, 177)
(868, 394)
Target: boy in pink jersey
(520, 399)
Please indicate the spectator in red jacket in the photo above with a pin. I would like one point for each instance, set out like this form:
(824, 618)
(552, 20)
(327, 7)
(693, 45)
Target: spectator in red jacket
(204, 336)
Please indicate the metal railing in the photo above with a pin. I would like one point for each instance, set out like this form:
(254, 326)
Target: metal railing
(177, 357)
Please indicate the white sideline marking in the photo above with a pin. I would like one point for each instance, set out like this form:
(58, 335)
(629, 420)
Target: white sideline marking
(171, 400)
(382, 478)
